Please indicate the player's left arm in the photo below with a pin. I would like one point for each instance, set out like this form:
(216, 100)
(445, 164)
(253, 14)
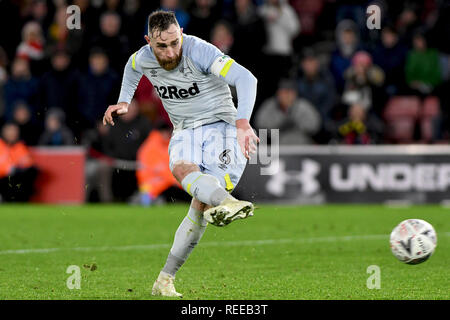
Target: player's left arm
(246, 84)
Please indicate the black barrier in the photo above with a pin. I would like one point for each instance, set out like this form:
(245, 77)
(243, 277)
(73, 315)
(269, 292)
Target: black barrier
(383, 174)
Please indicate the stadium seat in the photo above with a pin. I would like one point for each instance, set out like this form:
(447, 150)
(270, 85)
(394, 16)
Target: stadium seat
(430, 110)
(401, 131)
(401, 114)
(430, 107)
(402, 107)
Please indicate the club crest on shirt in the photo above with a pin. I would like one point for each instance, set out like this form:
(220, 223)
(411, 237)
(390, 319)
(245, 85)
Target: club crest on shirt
(185, 70)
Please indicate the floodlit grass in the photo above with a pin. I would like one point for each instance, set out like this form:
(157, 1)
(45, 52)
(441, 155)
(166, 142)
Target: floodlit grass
(283, 252)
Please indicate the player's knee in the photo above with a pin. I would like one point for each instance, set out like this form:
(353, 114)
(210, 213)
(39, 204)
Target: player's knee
(181, 169)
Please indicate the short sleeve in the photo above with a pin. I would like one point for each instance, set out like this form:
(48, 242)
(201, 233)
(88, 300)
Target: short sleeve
(135, 57)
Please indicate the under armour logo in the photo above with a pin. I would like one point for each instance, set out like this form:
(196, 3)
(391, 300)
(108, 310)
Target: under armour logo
(276, 185)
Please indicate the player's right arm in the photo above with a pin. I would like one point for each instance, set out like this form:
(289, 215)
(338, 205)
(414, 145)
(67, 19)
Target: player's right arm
(131, 77)
(210, 60)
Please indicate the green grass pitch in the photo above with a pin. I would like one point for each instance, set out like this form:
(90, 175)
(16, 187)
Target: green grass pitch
(282, 252)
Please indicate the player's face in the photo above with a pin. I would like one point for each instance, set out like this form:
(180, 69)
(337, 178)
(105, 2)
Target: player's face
(167, 46)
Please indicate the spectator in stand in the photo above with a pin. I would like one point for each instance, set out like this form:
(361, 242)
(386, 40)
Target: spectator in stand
(29, 129)
(128, 133)
(247, 24)
(154, 177)
(354, 10)
(89, 18)
(99, 168)
(282, 26)
(134, 21)
(222, 36)
(359, 127)
(61, 37)
(33, 42)
(439, 35)
(58, 88)
(17, 173)
(112, 41)
(99, 87)
(203, 16)
(181, 15)
(309, 13)
(407, 22)
(347, 43)
(56, 133)
(150, 104)
(422, 69)
(3, 79)
(122, 142)
(316, 85)
(32, 47)
(21, 86)
(364, 84)
(3, 66)
(390, 55)
(94, 140)
(112, 5)
(39, 12)
(296, 118)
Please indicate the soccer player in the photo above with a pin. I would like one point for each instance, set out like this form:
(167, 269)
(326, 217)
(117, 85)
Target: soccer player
(211, 141)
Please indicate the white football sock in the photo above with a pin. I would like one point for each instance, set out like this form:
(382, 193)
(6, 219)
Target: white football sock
(187, 236)
(205, 187)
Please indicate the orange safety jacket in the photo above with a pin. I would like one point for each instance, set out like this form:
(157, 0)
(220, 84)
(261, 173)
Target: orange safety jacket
(153, 173)
(12, 156)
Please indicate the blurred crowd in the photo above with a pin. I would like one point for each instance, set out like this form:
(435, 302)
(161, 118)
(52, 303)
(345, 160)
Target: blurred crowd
(323, 76)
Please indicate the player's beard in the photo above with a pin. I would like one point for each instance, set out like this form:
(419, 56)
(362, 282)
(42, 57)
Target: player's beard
(171, 63)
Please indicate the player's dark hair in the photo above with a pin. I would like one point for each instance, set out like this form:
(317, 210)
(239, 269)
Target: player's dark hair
(160, 21)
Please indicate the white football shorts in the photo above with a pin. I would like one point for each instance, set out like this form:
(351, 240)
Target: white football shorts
(214, 148)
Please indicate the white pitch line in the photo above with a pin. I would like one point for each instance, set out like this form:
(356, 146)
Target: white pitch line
(210, 244)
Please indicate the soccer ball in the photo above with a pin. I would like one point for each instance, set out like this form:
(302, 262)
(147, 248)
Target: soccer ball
(413, 241)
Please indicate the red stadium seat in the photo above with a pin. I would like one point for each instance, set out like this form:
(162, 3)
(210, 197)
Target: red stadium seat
(400, 131)
(402, 107)
(401, 114)
(430, 110)
(308, 11)
(426, 128)
(431, 107)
